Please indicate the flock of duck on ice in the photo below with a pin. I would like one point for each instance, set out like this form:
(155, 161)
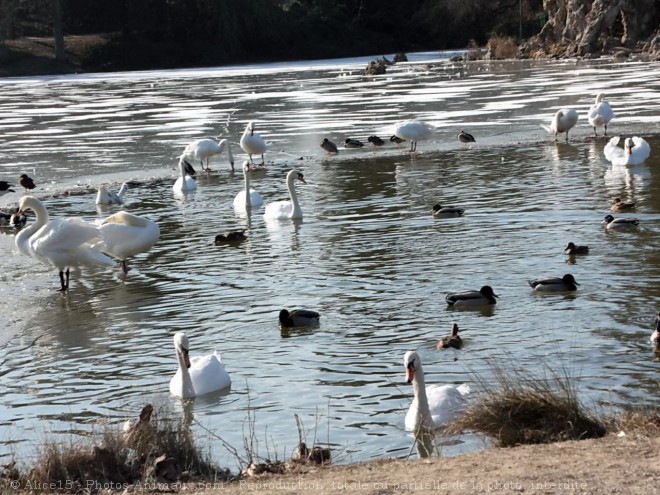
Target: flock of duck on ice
(70, 242)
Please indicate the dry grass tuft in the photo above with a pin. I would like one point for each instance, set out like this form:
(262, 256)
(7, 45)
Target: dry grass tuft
(530, 410)
(160, 450)
(641, 422)
(502, 48)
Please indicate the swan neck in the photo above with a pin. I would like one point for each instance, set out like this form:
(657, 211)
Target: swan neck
(292, 194)
(41, 218)
(246, 177)
(419, 389)
(187, 389)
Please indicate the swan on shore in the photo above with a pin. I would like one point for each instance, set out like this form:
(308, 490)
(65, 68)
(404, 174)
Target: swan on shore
(60, 242)
(600, 113)
(563, 121)
(203, 149)
(252, 143)
(199, 376)
(126, 235)
(287, 209)
(413, 131)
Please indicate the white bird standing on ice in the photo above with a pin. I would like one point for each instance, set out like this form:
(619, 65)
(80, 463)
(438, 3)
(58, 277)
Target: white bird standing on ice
(634, 152)
(252, 143)
(126, 235)
(204, 149)
(600, 113)
(184, 183)
(248, 197)
(61, 242)
(563, 121)
(413, 131)
(106, 197)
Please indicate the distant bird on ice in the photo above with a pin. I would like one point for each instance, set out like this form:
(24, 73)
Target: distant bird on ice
(204, 149)
(252, 143)
(600, 113)
(413, 131)
(329, 147)
(466, 138)
(563, 121)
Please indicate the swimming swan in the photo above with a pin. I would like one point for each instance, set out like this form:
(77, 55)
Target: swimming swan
(126, 235)
(60, 242)
(413, 131)
(563, 121)
(287, 209)
(204, 149)
(106, 197)
(205, 374)
(247, 198)
(433, 405)
(600, 113)
(185, 183)
(253, 144)
(634, 152)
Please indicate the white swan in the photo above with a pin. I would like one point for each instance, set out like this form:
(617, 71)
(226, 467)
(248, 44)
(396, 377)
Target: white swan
(413, 131)
(634, 152)
(204, 149)
(205, 374)
(286, 209)
(248, 198)
(105, 197)
(563, 121)
(253, 144)
(60, 242)
(600, 113)
(185, 183)
(126, 235)
(433, 405)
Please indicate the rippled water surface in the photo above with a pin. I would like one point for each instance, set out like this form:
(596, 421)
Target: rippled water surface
(367, 256)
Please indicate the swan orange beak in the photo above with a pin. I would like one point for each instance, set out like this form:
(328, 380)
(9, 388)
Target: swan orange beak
(410, 373)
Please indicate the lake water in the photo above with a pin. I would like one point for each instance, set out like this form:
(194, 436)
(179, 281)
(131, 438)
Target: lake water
(367, 255)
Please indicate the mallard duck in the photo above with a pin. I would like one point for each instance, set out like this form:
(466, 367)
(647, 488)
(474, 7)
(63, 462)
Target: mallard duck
(397, 140)
(376, 141)
(329, 146)
(466, 138)
(26, 182)
(566, 283)
(618, 205)
(230, 236)
(353, 143)
(655, 336)
(5, 187)
(573, 249)
(452, 340)
(298, 318)
(482, 297)
(447, 212)
(612, 223)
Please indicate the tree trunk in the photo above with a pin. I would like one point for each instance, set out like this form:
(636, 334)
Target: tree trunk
(58, 32)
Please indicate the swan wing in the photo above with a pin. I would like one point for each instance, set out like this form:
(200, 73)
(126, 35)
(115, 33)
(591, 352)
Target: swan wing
(640, 151)
(208, 374)
(122, 241)
(278, 209)
(446, 402)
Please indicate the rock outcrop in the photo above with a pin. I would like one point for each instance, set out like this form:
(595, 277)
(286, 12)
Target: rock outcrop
(590, 28)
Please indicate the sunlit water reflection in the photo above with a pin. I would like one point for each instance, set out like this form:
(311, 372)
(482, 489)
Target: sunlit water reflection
(367, 255)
